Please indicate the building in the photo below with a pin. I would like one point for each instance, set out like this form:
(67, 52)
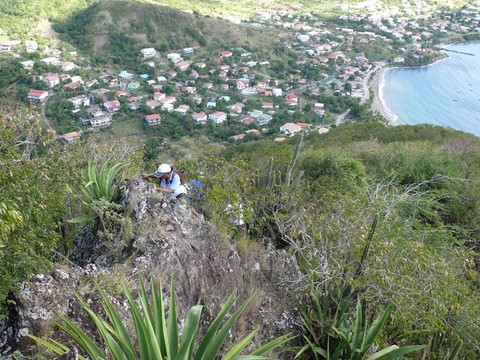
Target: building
(200, 117)
(218, 117)
(112, 106)
(37, 95)
(51, 80)
(148, 53)
(290, 129)
(153, 119)
(100, 121)
(28, 64)
(71, 137)
(80, 100)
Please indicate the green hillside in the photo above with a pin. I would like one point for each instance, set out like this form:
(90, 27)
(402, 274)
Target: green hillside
(124, 22)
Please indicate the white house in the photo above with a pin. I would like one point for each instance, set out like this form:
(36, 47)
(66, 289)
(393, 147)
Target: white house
(100, 121)
(80, 100)
(49, 60)
(28, 64)
(148, 53)
(51, 80)
(174, 57)
(303, 38)
(200, 117)
(218, 117)
(290, 129)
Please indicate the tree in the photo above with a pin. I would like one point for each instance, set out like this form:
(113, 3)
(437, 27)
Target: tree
(32, 197)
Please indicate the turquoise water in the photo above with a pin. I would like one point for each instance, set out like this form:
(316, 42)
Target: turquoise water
(446, 93)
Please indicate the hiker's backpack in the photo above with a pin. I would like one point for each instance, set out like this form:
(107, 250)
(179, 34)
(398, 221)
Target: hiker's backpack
(181, 174)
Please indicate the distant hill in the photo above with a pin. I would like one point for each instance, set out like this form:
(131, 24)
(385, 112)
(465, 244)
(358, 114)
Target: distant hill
(105, 24)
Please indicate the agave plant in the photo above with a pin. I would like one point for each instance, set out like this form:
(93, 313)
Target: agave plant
(156, 336)
(102, 184)
(346, 336)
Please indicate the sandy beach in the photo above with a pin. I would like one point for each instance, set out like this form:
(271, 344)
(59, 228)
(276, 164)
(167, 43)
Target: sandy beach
(377, 104)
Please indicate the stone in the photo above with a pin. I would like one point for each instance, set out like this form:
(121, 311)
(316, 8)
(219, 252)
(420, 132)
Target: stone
(170, 242)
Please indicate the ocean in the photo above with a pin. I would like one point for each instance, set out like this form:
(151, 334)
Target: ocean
(445, 93)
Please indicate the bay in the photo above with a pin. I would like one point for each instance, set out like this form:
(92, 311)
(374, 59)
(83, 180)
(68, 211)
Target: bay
(445, 93)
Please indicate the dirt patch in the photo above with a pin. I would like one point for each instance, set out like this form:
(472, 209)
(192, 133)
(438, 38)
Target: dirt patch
(140, 36)
(99, 41)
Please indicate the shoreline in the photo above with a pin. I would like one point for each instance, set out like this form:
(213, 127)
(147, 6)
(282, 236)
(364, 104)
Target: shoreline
(377, 103)
(376, 85)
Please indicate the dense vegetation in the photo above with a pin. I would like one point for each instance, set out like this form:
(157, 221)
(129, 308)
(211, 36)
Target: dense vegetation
(418, 182)
(390, 214)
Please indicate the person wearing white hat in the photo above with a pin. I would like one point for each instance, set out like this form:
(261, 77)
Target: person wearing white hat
(170, 182)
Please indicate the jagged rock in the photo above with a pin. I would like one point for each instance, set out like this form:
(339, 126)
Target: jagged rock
(169, 241)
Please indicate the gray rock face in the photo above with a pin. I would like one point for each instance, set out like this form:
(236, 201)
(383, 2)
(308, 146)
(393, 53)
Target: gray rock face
(169, 241)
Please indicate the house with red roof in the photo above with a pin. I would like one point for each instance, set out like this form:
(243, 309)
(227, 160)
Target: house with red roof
(188, 89)
(267, 105)
(73, 85)
(200, 117)
(182, 110)
(168, 100)
(236, 108)
(51, 79)
(226, 53)
(37, 95)
(218, 117)
(152, 104)
(291, 99)
(112, 106)
(241, 84)
(237, 137)
(253, 132)
(182, 65)
(158, 95)
(71, 137)
(66, 65)
(153, 119)
(119, 93)
(248, 120)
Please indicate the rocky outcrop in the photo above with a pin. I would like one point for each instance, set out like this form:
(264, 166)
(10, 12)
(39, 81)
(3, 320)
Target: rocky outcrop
(168, 241)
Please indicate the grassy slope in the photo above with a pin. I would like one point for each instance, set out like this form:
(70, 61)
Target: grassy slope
(20, 17)
(153, 25)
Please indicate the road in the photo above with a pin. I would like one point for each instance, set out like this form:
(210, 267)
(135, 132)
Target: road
(44, 117)
(339, 119)
(366, 79)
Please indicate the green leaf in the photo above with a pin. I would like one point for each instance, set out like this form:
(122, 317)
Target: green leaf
(394, 352)
(273, 344)
(219, 338)
(207, 338)
(235, 350)
(375, 329)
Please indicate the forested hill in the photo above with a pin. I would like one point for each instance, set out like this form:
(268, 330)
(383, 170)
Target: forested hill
(107, 24)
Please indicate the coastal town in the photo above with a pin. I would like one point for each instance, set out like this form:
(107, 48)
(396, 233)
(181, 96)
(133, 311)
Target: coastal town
(329, 61)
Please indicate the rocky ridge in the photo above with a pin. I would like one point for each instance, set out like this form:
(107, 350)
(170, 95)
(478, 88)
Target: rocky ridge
(168, 241)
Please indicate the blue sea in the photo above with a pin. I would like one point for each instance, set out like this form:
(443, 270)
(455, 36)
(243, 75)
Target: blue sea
(445, 93)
